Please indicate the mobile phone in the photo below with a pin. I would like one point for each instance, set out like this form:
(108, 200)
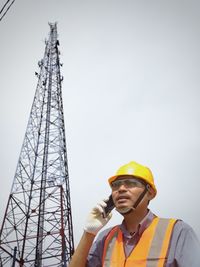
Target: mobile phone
(110, 206)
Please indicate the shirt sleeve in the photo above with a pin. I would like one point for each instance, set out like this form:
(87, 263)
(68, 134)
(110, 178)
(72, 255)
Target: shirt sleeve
(96, 252)
(185, 246)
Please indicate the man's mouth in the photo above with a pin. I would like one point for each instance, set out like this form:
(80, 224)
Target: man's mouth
(121, 199)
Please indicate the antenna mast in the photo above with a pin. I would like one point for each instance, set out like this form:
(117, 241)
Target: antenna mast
(37, 225)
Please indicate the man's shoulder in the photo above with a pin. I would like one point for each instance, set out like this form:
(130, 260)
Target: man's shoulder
(179, 224)
(181, 227)
(104, 233)
(96, 250)
(182, 231)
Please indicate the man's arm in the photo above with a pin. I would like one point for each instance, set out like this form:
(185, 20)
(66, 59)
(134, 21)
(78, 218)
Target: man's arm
(94, 224)
(185, 247)
(79, 258)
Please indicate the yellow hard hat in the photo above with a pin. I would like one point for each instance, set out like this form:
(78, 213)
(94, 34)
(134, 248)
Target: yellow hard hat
(135, 169)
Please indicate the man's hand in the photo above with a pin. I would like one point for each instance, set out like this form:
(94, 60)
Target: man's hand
(95, 220)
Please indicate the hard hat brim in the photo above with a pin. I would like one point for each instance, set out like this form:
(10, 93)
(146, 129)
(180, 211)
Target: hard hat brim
(113, 178)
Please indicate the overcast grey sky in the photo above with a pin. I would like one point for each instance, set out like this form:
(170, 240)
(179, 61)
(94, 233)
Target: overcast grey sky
(130, 92)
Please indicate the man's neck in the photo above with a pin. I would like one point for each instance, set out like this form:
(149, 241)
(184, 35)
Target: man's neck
(133, 219)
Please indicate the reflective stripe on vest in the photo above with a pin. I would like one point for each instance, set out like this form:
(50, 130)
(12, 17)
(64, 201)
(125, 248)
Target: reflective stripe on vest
(150, 251)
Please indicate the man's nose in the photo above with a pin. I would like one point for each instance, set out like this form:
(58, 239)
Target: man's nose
(122, 187)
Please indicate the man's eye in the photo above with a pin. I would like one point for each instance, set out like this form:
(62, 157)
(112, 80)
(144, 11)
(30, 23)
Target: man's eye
(131, 183)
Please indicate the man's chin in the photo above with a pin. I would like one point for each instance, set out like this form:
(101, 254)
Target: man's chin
(124, 210)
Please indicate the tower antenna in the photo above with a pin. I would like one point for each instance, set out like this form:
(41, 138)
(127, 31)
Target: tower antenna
(37, 225)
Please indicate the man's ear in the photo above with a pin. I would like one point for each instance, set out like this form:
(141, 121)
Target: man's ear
(150, 193)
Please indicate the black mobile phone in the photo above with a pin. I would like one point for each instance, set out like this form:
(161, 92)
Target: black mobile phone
(110, 206)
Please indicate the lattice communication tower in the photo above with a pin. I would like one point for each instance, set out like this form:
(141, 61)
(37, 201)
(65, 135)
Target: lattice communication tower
(37, 225)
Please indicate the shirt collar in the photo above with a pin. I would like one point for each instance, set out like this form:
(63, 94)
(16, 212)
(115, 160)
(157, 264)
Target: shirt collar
(141, 227)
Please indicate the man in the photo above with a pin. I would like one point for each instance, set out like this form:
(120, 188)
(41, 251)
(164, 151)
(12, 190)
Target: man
(143, 239)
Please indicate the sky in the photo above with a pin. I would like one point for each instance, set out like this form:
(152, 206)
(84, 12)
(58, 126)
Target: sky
(130, 92)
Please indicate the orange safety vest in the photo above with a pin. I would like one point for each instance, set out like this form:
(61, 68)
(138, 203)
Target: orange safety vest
(150, 251)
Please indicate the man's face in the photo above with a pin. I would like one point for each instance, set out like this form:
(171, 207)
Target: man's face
(126, 190)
